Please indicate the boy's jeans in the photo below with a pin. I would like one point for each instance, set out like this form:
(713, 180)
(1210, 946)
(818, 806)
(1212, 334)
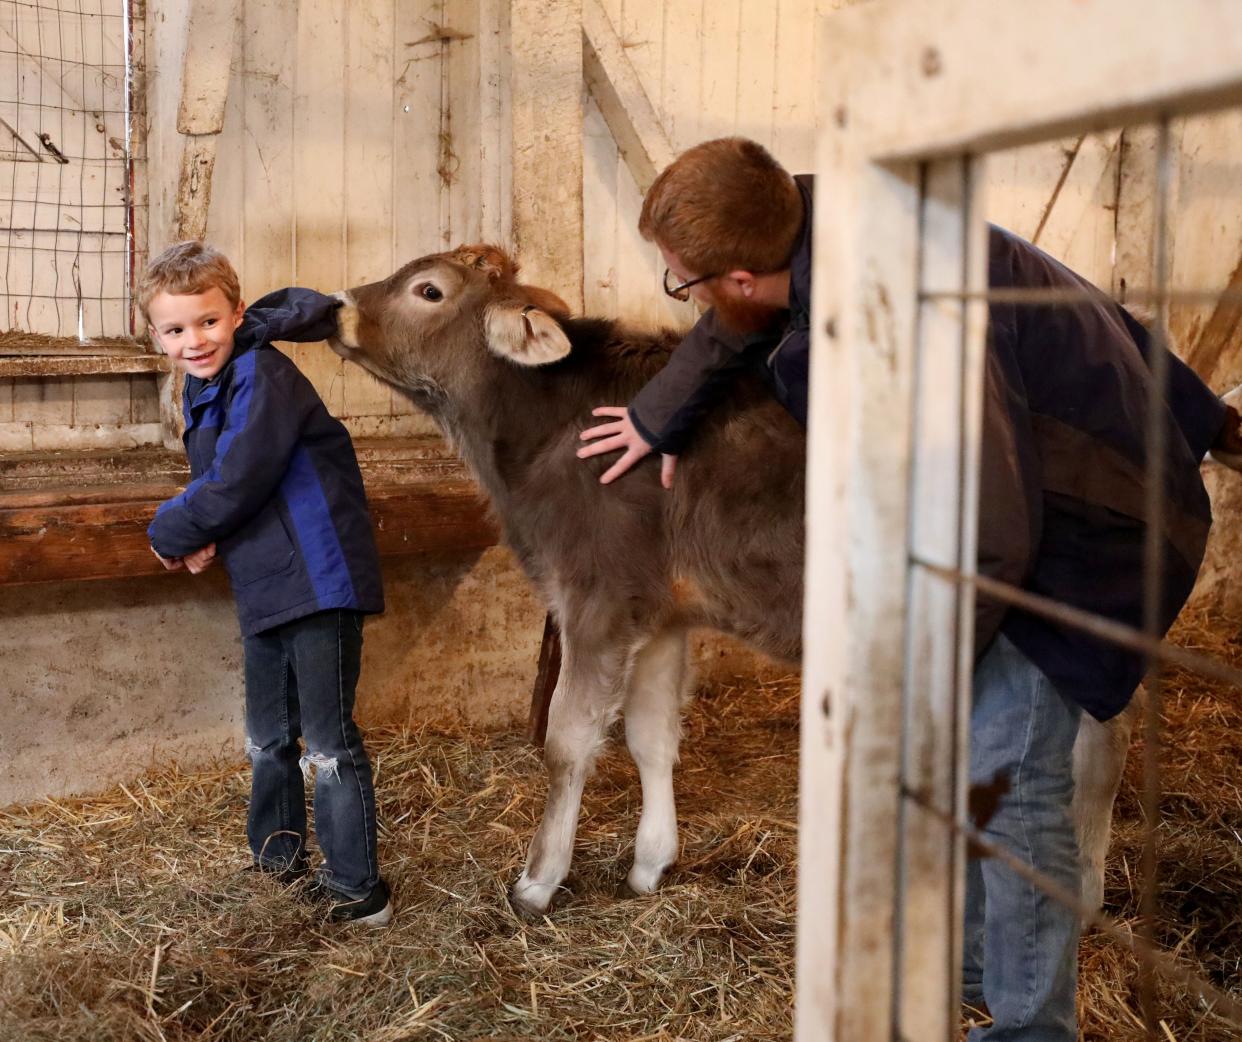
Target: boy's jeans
(1021, 947)
(300, 680)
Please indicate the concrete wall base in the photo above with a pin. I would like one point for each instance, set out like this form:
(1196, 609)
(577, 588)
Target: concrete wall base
(102, 679)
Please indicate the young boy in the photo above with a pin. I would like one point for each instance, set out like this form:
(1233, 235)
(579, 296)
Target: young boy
(276, 488)
(1061, 514)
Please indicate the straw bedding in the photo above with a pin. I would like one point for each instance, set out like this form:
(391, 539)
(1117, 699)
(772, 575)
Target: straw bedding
(128, 916)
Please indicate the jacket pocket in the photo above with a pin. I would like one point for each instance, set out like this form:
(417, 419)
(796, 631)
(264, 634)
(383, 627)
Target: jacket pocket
(261, 548)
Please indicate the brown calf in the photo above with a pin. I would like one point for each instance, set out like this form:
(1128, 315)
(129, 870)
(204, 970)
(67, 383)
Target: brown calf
(626, 568)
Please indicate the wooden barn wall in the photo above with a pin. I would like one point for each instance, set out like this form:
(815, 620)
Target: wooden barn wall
(711, 68)
(354, 141)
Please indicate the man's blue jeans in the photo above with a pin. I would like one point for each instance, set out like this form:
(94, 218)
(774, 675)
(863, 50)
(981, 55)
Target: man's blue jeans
(1021, 947)
(300, 680)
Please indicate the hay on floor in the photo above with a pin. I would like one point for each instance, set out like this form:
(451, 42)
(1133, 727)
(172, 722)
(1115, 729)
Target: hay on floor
(128, 915)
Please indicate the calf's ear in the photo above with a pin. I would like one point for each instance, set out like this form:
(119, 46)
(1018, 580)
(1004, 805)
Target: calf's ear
(525, 334)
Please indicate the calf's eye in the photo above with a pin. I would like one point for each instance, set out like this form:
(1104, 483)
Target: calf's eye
(431, 292)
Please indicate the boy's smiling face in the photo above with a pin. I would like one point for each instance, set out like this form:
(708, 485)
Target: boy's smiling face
(195, 330)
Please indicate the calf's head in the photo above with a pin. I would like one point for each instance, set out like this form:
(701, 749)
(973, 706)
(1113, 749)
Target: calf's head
(435, 327)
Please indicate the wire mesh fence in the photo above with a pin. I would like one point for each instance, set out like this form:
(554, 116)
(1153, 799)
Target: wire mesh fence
(72, 205)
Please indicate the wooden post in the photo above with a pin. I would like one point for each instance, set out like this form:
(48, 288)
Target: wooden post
(546, 676)
(546, 88)
(855, 618)
(210, 44)
(939, 650)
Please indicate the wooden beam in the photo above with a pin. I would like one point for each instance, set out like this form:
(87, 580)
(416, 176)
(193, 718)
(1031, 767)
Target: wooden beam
(59, 535)
(210, 43)
(617, 90)
(546, 91)
(939, 76)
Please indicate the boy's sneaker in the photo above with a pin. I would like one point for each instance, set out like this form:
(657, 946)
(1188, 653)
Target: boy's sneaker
(1227, 448)
(373, 910)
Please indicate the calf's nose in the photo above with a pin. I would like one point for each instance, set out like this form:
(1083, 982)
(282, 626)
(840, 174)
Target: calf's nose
(346, 338)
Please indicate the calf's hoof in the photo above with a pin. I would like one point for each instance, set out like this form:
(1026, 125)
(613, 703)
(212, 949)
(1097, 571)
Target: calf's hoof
(1092, 893)
(531, 900)
(644, 879)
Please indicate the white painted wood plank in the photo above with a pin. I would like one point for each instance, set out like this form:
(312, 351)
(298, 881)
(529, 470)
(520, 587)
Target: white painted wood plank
(420, 203)
(857, 515)
(369, 173)
(547, 143)
(599, 203)
(722, 48)
(420, 198)
(461, 159)
(939, 648)
(265, 200)
(756, 81)
(681, 96)
(495, 122)
(319, 177)
(942, 80)
(793, 106)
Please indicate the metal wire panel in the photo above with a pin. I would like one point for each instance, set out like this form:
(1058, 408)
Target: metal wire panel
(70, 151)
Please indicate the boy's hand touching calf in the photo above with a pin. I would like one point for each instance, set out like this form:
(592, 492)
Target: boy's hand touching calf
(621, 434)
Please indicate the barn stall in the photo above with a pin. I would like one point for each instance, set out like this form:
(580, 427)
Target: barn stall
(323, 144)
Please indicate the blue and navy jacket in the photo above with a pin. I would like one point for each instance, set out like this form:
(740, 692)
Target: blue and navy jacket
(275, 483)
(1062, 481)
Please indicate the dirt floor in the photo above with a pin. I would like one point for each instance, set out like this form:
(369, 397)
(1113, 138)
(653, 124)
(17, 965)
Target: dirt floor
(128, 915)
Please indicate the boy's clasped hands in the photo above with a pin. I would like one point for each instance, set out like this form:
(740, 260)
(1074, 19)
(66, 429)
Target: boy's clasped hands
(199, 561)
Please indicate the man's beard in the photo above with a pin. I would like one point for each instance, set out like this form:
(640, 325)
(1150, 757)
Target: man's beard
(743, 316)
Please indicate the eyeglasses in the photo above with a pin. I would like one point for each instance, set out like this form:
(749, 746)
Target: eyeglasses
(682, 292)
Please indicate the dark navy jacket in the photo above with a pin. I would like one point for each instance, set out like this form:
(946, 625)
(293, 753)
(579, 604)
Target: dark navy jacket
(275, 483)
(1062, 482)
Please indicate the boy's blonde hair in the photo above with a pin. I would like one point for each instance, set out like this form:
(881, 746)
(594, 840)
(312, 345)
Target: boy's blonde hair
(188, 267)
(725, 205)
